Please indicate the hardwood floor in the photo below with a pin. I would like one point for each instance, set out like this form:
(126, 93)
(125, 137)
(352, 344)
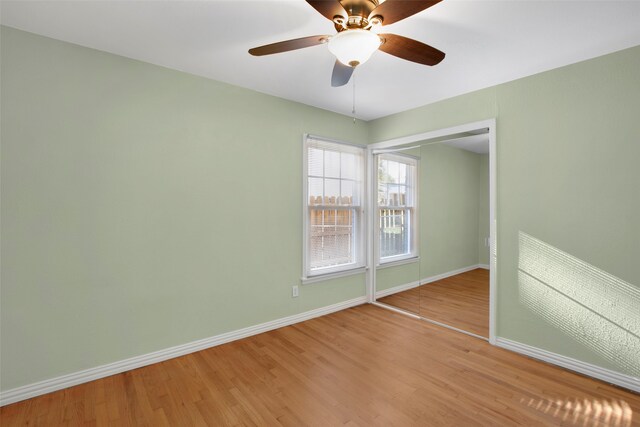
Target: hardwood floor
(408, 300)
(363, 366)
(461, 301)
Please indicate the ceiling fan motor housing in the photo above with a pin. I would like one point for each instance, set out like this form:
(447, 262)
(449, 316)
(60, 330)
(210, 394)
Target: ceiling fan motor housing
(358, 15)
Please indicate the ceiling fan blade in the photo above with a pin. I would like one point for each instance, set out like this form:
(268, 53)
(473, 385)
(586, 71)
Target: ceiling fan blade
(288, 45)
(341, 74)
(411, 50)
(328, 8)
(396, 10)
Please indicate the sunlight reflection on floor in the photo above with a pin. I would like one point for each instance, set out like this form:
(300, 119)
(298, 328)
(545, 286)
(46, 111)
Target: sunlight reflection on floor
(584, 412)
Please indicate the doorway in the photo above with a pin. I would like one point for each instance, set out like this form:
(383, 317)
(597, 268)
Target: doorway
(432, 227)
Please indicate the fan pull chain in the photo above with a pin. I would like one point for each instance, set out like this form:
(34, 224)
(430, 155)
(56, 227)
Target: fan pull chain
(353, 110)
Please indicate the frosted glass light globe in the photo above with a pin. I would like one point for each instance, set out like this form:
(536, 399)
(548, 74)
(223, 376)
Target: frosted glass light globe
(354, 47)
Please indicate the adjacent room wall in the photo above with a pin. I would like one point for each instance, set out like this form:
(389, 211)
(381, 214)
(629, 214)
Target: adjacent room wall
(568, 238)
(483, 209)
(448, 215)
(144, 208)
(453, 215)
(448, 209)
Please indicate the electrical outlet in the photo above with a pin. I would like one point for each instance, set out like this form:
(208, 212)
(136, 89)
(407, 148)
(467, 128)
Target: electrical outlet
(294, 291)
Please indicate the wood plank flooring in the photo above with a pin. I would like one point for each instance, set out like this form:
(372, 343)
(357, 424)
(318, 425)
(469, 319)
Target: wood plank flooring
(365, 366)
(408, 300)
(461, 301)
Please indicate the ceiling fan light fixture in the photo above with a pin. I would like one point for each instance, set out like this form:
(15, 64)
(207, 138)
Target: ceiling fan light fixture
(354, 47)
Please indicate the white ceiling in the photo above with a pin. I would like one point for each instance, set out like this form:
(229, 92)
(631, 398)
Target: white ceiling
(478, 144)
(487, 43)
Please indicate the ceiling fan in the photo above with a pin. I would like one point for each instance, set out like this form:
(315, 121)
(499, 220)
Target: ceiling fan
(354, 42)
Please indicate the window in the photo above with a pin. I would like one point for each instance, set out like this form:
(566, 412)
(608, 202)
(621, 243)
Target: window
(333, 199)
(397, 178)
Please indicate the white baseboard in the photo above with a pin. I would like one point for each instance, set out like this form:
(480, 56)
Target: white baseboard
(396, 289)
(449, 274)
(406, 286)
(607, 375)
(484, 266)
(396, 310)
(69, 380)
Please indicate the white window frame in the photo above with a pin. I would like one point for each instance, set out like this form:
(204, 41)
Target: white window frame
(359, 265)
(413, 254)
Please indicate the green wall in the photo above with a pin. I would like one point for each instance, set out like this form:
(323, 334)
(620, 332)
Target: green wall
(567, 174)
(144, 208)
(483, 209)
(449, 190)
(454, 192)
(391, 276)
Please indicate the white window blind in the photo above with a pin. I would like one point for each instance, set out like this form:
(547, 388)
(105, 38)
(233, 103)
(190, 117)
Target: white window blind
(397, 177)
(334, 190)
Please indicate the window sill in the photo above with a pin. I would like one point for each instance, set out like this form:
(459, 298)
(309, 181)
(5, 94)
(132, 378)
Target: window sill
(329, 276)
(398, 262)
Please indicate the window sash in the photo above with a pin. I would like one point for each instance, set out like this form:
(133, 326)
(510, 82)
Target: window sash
(395, 232)
(338, 193)
(329, 230)
(396, 218)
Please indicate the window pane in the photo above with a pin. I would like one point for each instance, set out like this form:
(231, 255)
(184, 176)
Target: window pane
(394, 232)
(396, 174)
(393, 198)
(402, 195)
(347, 190)
(332, 242)
(332, 164)
(315, 191)
(334, 177)
(331, 191)
(383, 168)
(348, 166)
(382, 194)
(393, 171)
(411, 176)
(402, 173)
(316, 162)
